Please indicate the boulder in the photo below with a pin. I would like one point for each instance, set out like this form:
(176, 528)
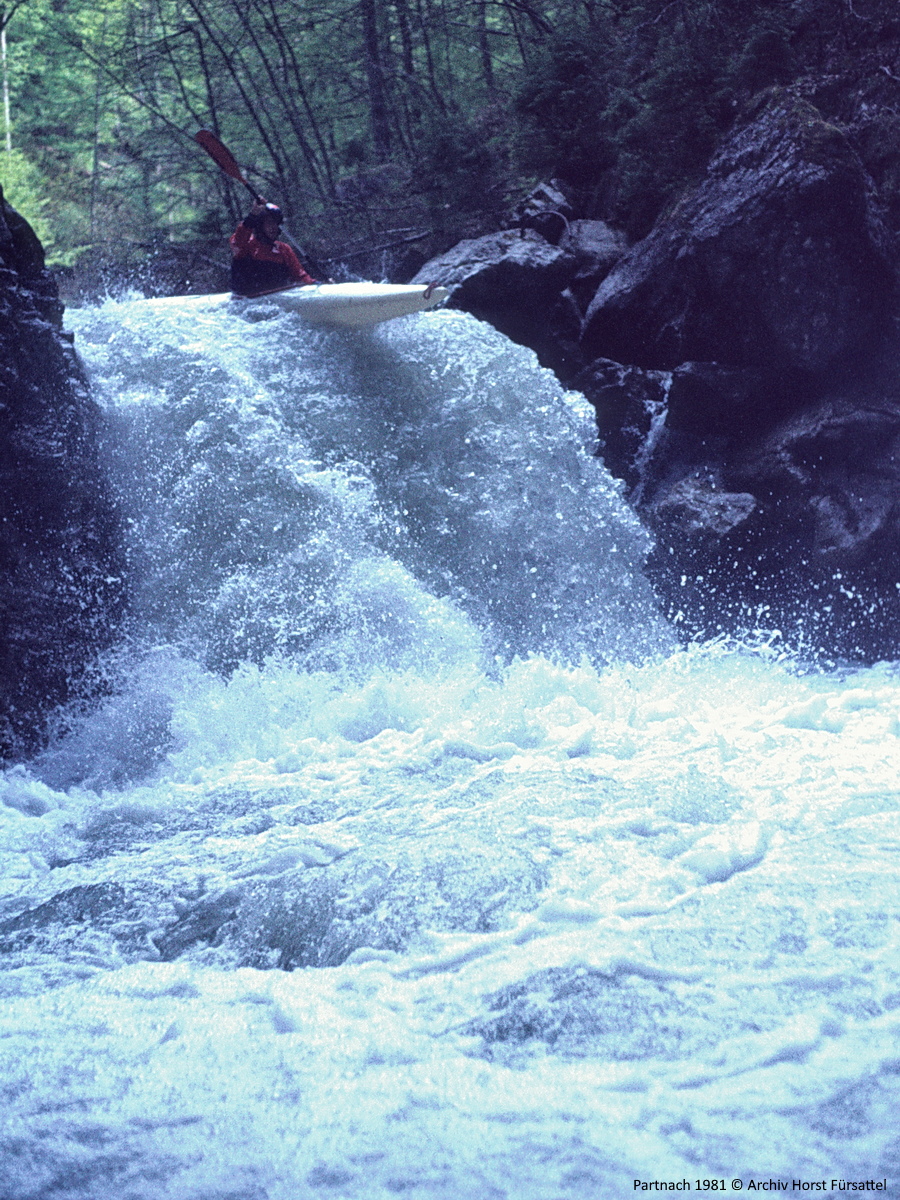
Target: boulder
(796, 528)
(658, 426)
(61, 589)
(631, 406)
(832, 476)
(697, 512)
(791, 524)
(546, 210)
(509, 270)
(596, 248)
(777, 260)
(822, 484)
(515, 280)
(708, 400)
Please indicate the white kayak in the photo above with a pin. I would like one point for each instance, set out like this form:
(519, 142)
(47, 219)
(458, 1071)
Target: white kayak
(351, 305)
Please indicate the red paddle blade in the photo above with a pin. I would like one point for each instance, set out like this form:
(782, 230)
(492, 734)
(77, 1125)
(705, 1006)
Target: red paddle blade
(220, 153)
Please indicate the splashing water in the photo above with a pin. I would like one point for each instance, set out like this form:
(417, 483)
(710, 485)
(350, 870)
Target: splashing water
(294, 490)
(408, 854)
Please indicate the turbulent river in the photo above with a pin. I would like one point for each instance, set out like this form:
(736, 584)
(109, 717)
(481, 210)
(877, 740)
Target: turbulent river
(407, 853)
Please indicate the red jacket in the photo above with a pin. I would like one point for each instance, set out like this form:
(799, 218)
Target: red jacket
(278, 264)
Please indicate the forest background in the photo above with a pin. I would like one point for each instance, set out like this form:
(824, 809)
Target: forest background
(393, 128)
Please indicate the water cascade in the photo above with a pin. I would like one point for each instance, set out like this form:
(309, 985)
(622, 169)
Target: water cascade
(406, 852)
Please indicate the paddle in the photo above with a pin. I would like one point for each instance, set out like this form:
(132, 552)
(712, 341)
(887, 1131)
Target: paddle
(226, 160)
(220, 154)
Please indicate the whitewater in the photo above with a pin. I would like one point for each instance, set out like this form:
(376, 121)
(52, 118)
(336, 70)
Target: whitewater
(406, 851)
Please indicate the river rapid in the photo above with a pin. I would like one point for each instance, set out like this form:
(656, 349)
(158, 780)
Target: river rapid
(407, 852)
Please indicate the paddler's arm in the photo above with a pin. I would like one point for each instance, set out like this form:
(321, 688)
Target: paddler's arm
(294, 265)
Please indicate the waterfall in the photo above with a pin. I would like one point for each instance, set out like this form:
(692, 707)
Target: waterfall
(405, 851)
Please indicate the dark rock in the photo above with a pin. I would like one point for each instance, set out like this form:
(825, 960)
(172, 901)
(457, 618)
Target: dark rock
(596, 248)
(792, 525)
(200, 921)
(500, 270)
(710, 400)
(631, 406)
(551, 225)
(796, 530)
(84, 922)
(765, 460)
(833, 473)
(877, 137)
(514, 280)
(87, 904)
(761, 581)
(546, 210)
(710, 414)
(556, 342)
(697, 510)
(60, 583)
(668, 434)
(778, 260)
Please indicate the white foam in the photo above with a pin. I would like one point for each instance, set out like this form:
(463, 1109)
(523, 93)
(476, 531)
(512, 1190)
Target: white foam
(615, 919)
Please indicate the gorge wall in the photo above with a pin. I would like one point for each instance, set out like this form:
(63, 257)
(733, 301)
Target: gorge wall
(744, 363)
(61, 583)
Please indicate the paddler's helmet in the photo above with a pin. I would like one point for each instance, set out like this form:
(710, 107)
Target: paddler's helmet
(255, 220)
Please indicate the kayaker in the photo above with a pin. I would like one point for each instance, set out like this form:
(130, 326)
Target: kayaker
(260, 262)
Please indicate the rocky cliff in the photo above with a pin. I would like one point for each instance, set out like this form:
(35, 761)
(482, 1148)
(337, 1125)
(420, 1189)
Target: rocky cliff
(779, 259)
(61, 591)
(744, 362)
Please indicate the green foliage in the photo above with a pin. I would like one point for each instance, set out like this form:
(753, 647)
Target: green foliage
(669, 138)
(23, 187)
(373, 120)
(460, 169)
(561, 105)
(629, 111)
(765, 59)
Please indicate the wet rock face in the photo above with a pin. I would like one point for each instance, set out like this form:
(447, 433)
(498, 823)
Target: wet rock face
(533, 282)
(743, 363)
(762, 311)
(841, 458)
(596, 248)
(60, 586)
(778, 260)
(632, 407)
(517, 281)
(791, 524)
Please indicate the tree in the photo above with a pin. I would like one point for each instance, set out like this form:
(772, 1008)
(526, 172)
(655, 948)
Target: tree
(385, 123)
(6, 15)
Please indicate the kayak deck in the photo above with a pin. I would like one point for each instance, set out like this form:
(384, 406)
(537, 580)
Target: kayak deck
(341, 305)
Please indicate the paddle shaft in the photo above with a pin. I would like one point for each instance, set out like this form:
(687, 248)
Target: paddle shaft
(220, 154)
